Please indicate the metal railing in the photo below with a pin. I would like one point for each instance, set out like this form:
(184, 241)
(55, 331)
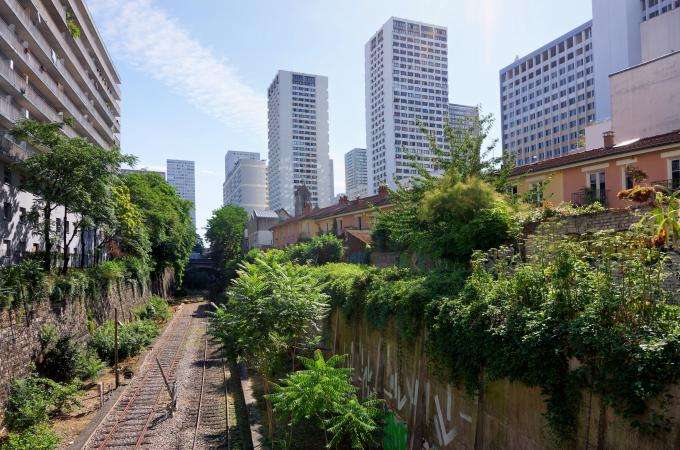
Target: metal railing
(47, 49)
(586, 197)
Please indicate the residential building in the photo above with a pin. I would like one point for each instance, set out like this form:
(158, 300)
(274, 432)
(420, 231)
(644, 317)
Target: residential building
(356, 173)
(142, 170)
(357, 215)
(548, 97)
(48, 75)
(643, 134)
(246, 184)
(182, 176)
(463, 118)
(331, 176)
(406, 89)
(233, 156)
(298, 139)
(259, 227)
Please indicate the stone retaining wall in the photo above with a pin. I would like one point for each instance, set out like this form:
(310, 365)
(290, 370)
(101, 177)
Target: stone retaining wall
(20, 327)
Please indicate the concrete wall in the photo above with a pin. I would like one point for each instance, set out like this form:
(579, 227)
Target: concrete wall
(645, 99)
(20, 327)
(505, 416)
(660, 35)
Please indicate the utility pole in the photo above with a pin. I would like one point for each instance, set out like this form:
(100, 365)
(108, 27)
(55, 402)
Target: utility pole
(115, 348)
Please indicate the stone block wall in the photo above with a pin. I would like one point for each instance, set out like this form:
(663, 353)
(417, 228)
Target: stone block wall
(20, 327)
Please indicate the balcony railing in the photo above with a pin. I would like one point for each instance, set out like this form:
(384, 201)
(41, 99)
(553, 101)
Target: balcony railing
(586, 197)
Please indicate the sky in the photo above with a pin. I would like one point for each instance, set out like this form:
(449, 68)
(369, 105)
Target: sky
(195, 73)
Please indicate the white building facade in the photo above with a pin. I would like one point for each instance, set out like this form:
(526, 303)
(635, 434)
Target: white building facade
(356, 173)
(545, 116)
(548, 98)
(463, 118)
(245, 184)
(181, 175)
(47, 75)
(406, 87)
(298, 139)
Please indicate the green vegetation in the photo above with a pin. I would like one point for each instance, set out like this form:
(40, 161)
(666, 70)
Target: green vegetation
(322, 249)
(40, 437)
(225, 233)
(72, 173)
(395, 434)
(156, 309)
(165, 216)
(322, 395)
(65, 360)
(133, 337)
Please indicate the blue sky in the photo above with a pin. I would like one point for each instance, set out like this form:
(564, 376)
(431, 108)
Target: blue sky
(195, 73)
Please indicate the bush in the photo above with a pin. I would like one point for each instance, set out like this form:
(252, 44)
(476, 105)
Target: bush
(322, 249)
(88, 364)
(39, 437)
(24, 282)
(132, 338)
(156, 309)
(64, 359)
(32, 400)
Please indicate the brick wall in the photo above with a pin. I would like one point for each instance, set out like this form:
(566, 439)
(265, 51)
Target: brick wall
(20, 327)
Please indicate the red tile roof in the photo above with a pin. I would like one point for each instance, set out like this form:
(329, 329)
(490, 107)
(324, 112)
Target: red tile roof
(337, 209)
(642, 144)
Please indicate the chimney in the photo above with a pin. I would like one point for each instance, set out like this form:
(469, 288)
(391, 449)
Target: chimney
(343, 200)
(608, 138)
(302, 197)
(307, 208)
(383, 191)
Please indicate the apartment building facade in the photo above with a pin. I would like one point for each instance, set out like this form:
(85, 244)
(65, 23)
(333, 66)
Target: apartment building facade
(548, 98)
(246, 184)
(48, 74)
(298, 139)
(406, 87)
(181, 174)
(551, 95)
(463, 118)
(356, 173)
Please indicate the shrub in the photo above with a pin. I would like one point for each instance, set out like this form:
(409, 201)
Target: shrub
(39, 437)
(110, 271)
(23, 282)
(88, 364)
(32, 400)
(155, 309)
(132, 338)
(60, 360)
(322, 249)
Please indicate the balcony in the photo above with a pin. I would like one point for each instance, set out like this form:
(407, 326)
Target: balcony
(587, 196)
(47, 50)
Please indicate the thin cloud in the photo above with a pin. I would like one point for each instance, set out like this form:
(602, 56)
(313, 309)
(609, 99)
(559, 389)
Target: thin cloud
(143, 35)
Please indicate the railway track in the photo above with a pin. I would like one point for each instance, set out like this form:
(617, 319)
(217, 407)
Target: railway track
(142, 417)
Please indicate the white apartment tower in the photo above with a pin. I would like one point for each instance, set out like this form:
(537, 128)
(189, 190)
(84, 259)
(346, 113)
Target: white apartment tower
(550, 95)
(181, 175)
(463, 118)
(406, 88)
(298, 139)
(245, 182)
(49, 75)
(356, 173)
(547, 98)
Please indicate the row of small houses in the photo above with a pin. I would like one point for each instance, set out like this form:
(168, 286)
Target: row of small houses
(581, 178)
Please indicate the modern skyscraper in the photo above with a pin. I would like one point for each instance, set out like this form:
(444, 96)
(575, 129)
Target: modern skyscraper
(331, 186)
(298, 138)
(356, 173)
(181, 176)
(245, 182)
(406, 88)
(463, 117)
(547, 98)
(49, 75)
(232, 157)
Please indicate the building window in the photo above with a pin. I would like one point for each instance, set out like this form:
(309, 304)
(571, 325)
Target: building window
(597, 186)
(8, 176)
(675, 173)
(22, 215)
(359, 222)
(7, 211)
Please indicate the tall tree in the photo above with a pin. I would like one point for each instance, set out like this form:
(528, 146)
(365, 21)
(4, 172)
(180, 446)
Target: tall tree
(68, 172)
(167, 218)
(225, 232)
